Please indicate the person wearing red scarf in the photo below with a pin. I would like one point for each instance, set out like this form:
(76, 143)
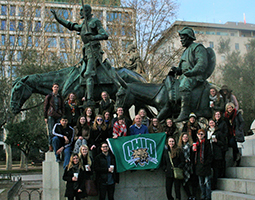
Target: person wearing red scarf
(203, 161)
(72, 111)
(235, 123)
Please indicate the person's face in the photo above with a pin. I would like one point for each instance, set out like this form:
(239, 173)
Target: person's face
(64, 122)
(185, 138)
(138, 119)
(155, 122)
(104, 96)
(211, 124)
(171, 142)
(217, 115)
(99, 120)
(72, 97)
(55, 89)
(104, 148)
(192, 120)
(82, 120)
(107, 115)
(212, 92)
(120, 111)
(89, 112)
(75, 160)
(169, 123)
(84, 151)
(230, 109)
(185, 40)
(87, 11)
(142, 113)
(225, 91)
(200, 135)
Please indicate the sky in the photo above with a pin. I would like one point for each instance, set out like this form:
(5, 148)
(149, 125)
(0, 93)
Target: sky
(216, 11)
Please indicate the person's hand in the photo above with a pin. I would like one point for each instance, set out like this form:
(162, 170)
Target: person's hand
(215, 140)
(66, 140)
(92, 147)
(79, 190)
(60, 150)
(115, 136)
(53, 12)
(80, 138)
(83, 99)
(74, 178)
(46, 121)
(194, 148)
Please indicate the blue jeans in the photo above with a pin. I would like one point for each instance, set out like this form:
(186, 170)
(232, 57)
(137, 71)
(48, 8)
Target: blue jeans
(57, 143)
(205, 186)
(51, 122)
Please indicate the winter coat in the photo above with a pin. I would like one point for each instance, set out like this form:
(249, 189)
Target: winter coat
(178, 161)
(217, 147)
(70, 191)
(223, 128)
(203, 168)
(49, 107)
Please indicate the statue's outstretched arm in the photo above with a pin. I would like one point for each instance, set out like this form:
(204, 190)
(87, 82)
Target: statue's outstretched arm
(70, 25)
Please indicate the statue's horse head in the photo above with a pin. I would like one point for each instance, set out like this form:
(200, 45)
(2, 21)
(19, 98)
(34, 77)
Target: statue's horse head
(19, 94)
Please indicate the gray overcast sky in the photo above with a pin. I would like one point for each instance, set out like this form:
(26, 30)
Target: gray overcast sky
(216, 11)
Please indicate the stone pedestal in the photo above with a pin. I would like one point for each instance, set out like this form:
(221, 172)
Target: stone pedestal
(53, 184)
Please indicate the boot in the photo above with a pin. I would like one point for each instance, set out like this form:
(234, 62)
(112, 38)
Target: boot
(185, 108)
(50, 148)
(90, 92)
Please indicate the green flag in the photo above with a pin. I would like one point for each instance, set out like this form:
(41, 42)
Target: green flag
(138, 152)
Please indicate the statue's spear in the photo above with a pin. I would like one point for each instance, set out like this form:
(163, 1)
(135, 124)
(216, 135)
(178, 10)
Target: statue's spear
(92, 50)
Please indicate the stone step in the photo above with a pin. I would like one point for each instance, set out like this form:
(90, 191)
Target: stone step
(226, 195)
(241, 172)
(247, 161)
(236, 185)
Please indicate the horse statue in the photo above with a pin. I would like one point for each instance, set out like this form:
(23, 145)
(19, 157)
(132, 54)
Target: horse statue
(164, 97)
(69, 80)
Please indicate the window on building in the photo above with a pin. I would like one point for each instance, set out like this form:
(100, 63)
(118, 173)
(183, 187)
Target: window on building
(12, 10)
(232, 34)
(63, 57)
(19, 56)
(37, 41)
(98, 15)
(20, 41)
(211, 44)
(125, 44)
(12, 40)
(2, 55)
(21, 26)
(54, 28)
(21, 11)
(2, 40)
(78, 44)
(12, 25)
(3, 10)
(236, 46)
(13, 71)
(3, 25)
(210, 32)
(37, 12)
(62, 43)
(247, 46)
(38, 26)
(127, 18)
(52, 42)
(112, 16)
(29, 41)
(29, 25)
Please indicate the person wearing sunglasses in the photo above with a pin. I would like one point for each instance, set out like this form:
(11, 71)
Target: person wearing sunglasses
(98, 135)
(203, 161)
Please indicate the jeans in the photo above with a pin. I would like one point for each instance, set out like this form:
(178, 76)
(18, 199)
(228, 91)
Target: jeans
(51, 122)
(57, 143)
(232, 143)
(103, 189)
(205, 186)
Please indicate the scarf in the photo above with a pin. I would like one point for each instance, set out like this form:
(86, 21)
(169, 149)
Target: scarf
(71, 105)
(201, 151)
(210, 133)
(231, 117)
(187, 169)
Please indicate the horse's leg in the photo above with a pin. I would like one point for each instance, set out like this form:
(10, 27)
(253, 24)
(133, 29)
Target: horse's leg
(164, 112)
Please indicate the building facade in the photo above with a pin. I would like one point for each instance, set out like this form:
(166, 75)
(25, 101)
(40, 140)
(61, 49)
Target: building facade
(28, 25)
(209, 34)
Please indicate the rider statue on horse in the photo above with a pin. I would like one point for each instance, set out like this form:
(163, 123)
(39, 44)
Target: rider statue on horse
(91, 31)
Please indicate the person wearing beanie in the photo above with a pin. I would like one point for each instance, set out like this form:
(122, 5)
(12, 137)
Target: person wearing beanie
(228, 96)
(192, 126)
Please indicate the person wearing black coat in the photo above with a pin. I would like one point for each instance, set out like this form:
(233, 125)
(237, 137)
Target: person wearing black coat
(223, 128)
(217, 142)
(235, 123)
(72, 110)
(192, 126)
(203, 161)
(74, 176)
(106, 173)
(177, 157)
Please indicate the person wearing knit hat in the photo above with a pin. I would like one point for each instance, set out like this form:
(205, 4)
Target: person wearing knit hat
(216, 100)
(228, 96)
(192, 126)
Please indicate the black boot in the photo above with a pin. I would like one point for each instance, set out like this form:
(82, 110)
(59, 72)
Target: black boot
(185, 108)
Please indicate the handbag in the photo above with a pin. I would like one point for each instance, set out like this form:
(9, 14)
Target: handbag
(178, 172)
(91, 188)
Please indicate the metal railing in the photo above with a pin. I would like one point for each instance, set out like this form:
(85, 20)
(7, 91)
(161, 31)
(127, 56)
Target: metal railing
(14, 189)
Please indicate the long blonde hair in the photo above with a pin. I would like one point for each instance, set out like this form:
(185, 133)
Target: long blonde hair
(103, 126)
(88, 158)
(70, 164)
